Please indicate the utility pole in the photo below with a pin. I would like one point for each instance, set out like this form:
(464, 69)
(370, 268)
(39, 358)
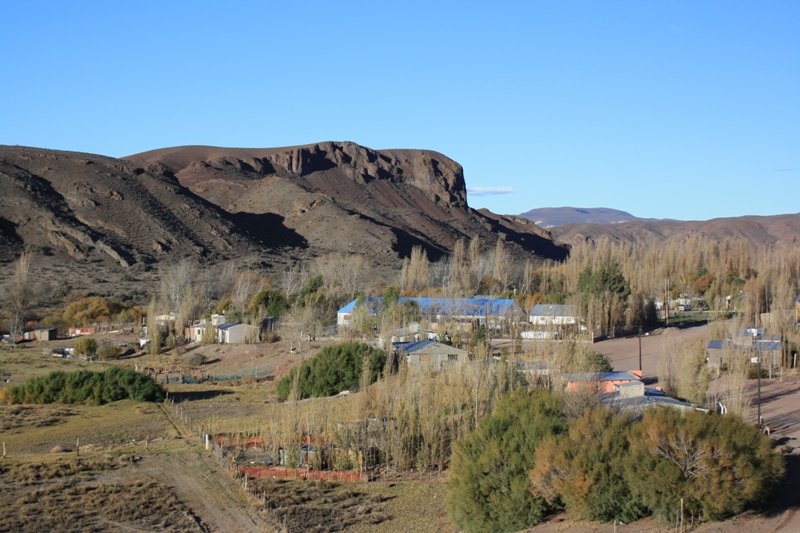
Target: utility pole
(640, 348)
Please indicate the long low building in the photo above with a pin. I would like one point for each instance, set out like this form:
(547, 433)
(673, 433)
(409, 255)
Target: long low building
(437, 309)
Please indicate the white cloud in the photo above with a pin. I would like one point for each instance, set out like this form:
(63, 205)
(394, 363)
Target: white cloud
(489, 191)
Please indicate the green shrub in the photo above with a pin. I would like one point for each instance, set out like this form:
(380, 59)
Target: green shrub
(584, 469)
(86, 346)
(719, 465)
(84, 386)
(109, 350)
(332, 370)
(197, 359)
(489, 487)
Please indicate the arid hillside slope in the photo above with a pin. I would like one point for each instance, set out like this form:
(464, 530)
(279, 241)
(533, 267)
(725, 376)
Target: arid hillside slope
(345, 197)
(778, 230)
(277, 205)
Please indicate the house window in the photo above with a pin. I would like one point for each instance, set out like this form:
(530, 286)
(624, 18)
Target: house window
(452, 357)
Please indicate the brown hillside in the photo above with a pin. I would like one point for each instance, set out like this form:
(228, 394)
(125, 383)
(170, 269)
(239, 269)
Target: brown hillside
(776, 230)
(272, 205)
(345, 197)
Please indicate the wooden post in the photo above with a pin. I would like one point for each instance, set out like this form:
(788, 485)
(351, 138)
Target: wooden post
(146, 442)
(682, 529)
(78, 447)
(4, 450)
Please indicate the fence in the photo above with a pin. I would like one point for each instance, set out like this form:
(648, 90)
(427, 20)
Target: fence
(219, 444)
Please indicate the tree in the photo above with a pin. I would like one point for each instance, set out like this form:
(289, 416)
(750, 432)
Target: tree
(332, 370)
(86, 346)
(501, 265)
(273, 303)
(719, 465)
(489, 488)
(603, 294)
(18, 295)
(584, 469)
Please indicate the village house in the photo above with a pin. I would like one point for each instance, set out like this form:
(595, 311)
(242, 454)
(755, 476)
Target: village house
(750, 342)
(77, 332)
(492, 313)
(602, 382)
(430, 353)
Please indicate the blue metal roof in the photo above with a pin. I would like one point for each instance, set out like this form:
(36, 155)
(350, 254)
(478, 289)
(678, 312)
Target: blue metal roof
(448, 306)
(226, 325)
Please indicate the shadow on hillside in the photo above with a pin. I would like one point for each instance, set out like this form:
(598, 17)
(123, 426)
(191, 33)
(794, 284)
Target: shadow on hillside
(197, 395)
(405, 242)
(529, 241)
(268, 230)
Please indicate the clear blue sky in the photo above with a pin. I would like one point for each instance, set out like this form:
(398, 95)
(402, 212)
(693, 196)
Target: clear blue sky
(667, 109)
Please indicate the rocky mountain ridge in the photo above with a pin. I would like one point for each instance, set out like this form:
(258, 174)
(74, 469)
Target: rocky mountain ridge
(278, 204)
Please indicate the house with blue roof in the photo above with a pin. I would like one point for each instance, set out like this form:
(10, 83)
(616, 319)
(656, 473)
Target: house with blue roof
(491, 312)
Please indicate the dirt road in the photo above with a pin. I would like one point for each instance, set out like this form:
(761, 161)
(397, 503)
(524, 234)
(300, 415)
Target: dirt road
(624, 352)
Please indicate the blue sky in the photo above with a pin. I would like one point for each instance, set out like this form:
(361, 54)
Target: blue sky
(666, 109)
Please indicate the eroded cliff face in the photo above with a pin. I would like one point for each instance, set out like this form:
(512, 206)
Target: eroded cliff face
(339, 196)
(439, 178)
(273, 206)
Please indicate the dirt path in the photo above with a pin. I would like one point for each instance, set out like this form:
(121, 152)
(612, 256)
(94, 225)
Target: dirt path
(203, 485)
(206, 488)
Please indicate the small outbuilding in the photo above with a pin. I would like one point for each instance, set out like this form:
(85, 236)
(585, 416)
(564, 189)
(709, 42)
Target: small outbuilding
(430, 353)
(237, 333)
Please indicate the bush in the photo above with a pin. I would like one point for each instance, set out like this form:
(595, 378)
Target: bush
(108, 350)
(332, 370)
(86, 346)
(584, 469)
(720, 465)
(197, 359)
(87, 387)
(489, 487)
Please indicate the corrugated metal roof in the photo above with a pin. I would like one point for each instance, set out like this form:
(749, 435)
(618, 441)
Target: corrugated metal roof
(448, 306)
(553, 310)
(410, 347)
(602, 376)
(227, 325)
(766, 346)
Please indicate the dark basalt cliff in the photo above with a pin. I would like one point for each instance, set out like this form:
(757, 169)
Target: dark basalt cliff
(279, 204)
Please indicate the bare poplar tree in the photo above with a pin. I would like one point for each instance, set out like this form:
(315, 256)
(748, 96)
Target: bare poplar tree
(293, 278)
(501, 265)
(418, 268)
(19, 295)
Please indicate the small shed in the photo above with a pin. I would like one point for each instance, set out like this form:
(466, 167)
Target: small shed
(46, 334)
(434, 354)
(237, 333)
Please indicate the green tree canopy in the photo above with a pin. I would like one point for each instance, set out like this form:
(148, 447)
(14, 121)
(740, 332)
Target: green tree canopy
(489, 488)
(84, 386)
(584, 468)
(332, 370)
(719, 465)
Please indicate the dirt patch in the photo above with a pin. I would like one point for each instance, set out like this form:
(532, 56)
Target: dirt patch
(68, 496)
(18, 416)
(319, 507)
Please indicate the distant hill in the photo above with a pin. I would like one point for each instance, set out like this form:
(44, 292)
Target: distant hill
(776, 230)
(274, 205)
(550, 217)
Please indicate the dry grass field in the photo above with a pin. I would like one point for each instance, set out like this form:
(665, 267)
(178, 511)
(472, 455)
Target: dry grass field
(115, 483)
